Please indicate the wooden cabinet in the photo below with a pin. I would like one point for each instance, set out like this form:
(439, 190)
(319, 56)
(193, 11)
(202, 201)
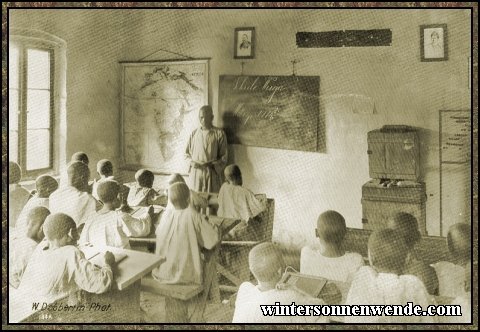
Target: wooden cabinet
(380, 203)
(394, 153)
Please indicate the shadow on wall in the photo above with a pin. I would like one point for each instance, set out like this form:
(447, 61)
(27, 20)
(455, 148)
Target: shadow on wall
(428, 144)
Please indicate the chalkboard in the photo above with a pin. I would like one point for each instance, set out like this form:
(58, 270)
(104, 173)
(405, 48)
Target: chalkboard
(279, 112)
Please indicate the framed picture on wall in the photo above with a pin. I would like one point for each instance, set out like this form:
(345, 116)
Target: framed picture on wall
(244, 47)
(433, 42)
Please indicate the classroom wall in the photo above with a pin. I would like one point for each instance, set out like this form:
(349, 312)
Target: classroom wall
(404, 91)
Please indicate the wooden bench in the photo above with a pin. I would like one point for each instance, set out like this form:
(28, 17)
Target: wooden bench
(177, 298)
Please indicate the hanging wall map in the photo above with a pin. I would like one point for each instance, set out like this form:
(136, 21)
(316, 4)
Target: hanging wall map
(279, 112)
(160, 103)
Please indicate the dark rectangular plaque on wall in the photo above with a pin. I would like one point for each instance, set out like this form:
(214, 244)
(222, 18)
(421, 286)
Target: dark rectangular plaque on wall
(345, 38)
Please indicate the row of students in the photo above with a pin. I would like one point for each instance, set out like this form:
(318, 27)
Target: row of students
(385, 281)
(54, 268)
(183, 233)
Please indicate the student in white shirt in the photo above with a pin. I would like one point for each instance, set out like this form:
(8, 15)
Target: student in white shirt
(451, 276)
(17, 195)
(23, 245)
(235, 201)
(267, 265)
(74, 200)
(330, 260)
(407, 225)
(141, 193)
(464, 300)
(77, 156)
(382, 283)
(181, 235)
(57, 269)
(105, 170)
(45, 185)
(112, 227)
(198, 202)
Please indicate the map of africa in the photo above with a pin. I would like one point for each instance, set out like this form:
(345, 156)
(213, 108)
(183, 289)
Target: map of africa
(160, 103)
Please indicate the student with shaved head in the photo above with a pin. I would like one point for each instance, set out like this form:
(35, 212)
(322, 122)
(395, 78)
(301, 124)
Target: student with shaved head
(57, 269)
(267, 265)
(17, 195)
(112, 227)
(142, 193)
(236, 201)
(73, 199)
(77, 156)
(382, 283)
(329, 259)
(198, 202)
(181, 235)
(407, 226)
(23, 245)
(45, 185)
(451, 276)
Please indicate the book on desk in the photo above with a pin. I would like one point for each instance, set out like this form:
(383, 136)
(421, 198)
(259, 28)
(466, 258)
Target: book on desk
(95, 254)
(306, 284)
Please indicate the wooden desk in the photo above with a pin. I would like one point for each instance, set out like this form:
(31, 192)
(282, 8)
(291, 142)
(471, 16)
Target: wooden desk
(119, 305)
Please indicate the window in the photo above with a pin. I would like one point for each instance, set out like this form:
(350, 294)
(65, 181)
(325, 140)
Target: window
(33, 109)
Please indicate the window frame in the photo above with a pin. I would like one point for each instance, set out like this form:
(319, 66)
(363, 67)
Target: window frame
(23, 45)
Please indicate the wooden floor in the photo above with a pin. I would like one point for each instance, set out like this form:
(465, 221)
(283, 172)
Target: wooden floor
(153, 307)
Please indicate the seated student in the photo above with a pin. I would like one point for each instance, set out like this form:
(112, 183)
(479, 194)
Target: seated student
(407, 226)
(197, 201)
(181, 234)
(17, 195)
(330, 260)
(73, 199)
(111, 227)
(235, 201)
(105, 170)
(58, 269)
(464, 300)
(267, 265)
(382, 283)
(23, 245)
(77, 156)
(142, 193)
(451, 276)
(45, 185)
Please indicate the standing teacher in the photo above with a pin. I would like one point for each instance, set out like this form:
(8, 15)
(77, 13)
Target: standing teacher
(207, 152)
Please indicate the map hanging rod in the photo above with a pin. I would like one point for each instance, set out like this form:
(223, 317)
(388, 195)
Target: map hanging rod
(163, 60)
(187, 57)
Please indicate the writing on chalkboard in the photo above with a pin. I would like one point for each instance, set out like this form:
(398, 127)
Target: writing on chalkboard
(454, 140)
(271, 111)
